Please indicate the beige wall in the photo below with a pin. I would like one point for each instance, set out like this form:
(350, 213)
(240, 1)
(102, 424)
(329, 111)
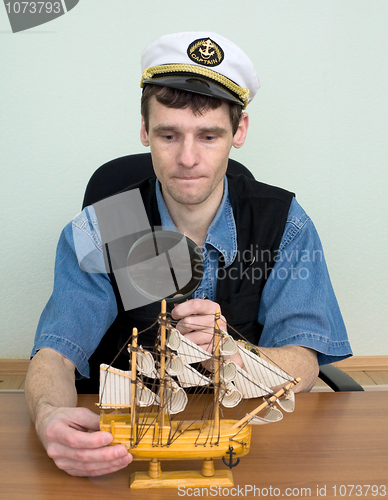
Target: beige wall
(319, 127)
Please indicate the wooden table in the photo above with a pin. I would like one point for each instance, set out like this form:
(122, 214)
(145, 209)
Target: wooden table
(330, 442)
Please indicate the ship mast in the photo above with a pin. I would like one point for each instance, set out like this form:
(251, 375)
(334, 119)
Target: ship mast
(133, 386)
(216, 353)
(162, 364)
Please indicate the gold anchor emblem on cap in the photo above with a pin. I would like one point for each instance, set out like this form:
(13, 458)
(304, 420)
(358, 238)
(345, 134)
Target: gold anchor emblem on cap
(208, 45)
(206, 52)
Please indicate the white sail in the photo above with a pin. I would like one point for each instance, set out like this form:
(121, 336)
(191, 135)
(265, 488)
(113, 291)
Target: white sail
(174, 339)
(174, 365)
(230, 396)
(188, 351)
(187, 376)
(190, 377)
(262, 371)
(228, 371)
(145, 363)
(144, 397)
(228, 345)
(272, 415)
(115, 389)
(287, 401)
(248, 386)
(175, 398)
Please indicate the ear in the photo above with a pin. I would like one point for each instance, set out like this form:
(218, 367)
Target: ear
(241, 133)
(143, 134)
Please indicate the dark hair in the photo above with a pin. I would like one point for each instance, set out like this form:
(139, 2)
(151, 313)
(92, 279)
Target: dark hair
(180, 99)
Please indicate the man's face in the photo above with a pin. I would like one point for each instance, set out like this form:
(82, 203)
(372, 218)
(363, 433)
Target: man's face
(190, 151)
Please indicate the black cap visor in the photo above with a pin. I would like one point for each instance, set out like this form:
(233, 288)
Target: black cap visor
(195, 84)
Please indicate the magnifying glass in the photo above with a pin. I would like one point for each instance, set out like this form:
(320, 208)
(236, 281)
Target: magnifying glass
(163, 264)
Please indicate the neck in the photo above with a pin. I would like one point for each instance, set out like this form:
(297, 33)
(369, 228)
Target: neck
(194, 220)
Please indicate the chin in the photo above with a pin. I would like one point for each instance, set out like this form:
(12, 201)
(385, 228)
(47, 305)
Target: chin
(190, 200)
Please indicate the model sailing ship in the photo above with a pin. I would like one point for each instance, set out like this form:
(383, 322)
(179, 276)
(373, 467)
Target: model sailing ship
(152, 394)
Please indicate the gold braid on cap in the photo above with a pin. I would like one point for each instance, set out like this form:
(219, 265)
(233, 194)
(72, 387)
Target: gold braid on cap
(241, 92)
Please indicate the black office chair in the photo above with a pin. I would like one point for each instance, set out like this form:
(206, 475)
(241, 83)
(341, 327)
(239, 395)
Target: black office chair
(113, 177)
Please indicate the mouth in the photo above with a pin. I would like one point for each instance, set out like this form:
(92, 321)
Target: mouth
(189, 178)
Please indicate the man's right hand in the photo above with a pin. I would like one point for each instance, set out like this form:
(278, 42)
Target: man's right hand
(72, 438)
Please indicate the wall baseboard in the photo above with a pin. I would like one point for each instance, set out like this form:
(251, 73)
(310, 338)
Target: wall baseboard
(14, 366)
(363, 363)
(355, 363)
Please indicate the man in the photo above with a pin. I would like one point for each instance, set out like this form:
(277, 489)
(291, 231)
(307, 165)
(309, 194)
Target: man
(195, 89)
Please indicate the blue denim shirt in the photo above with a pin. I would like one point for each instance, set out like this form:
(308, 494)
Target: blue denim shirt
(298, 305)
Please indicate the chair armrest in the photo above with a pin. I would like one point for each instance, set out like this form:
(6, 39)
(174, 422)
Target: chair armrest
(337, 379)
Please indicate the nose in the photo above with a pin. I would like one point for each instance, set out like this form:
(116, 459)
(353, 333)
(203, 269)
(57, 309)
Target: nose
(188, 154)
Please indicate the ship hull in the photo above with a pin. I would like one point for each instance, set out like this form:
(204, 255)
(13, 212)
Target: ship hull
(176, 440)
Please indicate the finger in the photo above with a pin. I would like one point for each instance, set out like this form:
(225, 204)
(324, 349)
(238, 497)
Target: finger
(203, 340)
(84, 418)
(95, 469)
(193, 307)
(78, 418)
(61, 431)
(177, 296)
(199, 323)
(196, 323)
(91, 468)
(92, 472)
(58, 451)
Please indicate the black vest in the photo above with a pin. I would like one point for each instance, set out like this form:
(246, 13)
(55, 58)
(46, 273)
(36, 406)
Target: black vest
(260, 212)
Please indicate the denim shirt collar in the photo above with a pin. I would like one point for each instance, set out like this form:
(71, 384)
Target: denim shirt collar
(221, 235)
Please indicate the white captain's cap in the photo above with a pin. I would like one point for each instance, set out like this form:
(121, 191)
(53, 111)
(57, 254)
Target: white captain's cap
(200, 62)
